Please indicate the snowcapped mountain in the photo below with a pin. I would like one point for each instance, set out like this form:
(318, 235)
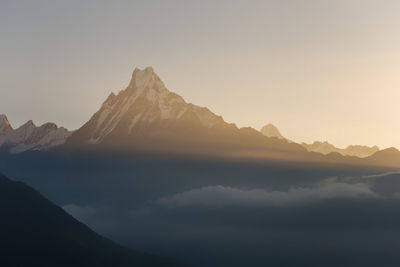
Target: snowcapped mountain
(270, 130)
(147, 116)
(30, 137)
(352, 150)
(144, 105)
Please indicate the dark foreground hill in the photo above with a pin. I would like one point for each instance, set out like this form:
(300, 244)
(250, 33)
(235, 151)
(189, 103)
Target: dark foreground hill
(36, 232)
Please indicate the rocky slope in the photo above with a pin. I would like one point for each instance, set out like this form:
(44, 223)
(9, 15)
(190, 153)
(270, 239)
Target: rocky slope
(147, 116)
(5, 126)
(31, 137)
(145, 102)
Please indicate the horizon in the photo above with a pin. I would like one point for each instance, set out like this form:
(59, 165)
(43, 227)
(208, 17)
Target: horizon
(314, 70)
(244, 126)
(176, 133)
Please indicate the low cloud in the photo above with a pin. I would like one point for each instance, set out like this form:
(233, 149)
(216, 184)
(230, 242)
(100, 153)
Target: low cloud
(219, 196)
(381, 175)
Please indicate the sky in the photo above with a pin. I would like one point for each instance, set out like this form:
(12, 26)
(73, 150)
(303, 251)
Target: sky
(318, 70)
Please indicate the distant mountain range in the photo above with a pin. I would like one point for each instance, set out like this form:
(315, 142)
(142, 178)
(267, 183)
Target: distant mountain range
(270, 130)
(352, 150)
(324, 148)
(30, 137)
(147, 117)
(35, 232)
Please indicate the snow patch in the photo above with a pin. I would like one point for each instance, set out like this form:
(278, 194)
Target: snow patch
(29, 137)
(133, 122)
(160, 104)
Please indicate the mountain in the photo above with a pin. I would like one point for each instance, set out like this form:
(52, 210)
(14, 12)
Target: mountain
(324, 148)
(352, 150)
(321, 147)
(385, 157)
(145, 102)
(5, 126)
(361, 151)
(270, 130)
(30, 137)
(36, 232)
(147, 116)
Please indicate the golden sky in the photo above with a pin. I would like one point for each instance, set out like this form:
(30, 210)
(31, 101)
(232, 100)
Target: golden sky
(318, 70)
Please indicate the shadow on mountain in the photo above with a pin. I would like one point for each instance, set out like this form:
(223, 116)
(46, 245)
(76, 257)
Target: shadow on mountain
(35, 232)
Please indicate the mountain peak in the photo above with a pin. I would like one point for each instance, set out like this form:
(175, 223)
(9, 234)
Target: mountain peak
(143, 73)
(28, 124)
(145, 78)
(271, 130)
(146, 102)
(148, 70)
(5, 125)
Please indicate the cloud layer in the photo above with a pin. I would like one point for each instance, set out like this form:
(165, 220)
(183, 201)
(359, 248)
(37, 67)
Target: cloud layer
(219, 196)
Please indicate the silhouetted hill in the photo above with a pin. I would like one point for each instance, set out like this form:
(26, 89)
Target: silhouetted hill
(352, 150)
(35, 232)
(386, 157)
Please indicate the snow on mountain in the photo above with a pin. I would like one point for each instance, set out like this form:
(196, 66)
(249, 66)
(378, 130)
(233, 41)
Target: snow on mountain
(5, 126)
(352, 150)
(30, 137)
(270, 130)
(145, 101)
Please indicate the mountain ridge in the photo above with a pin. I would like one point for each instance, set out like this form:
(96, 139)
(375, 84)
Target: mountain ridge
(146, 117)
(31, 137)
(146, 100)
(351, 150)
(325, 148)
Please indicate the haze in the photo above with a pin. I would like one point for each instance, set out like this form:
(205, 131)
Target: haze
(319, 70)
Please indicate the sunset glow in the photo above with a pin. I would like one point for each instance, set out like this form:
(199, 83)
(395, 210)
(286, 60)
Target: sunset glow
(318, 70)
